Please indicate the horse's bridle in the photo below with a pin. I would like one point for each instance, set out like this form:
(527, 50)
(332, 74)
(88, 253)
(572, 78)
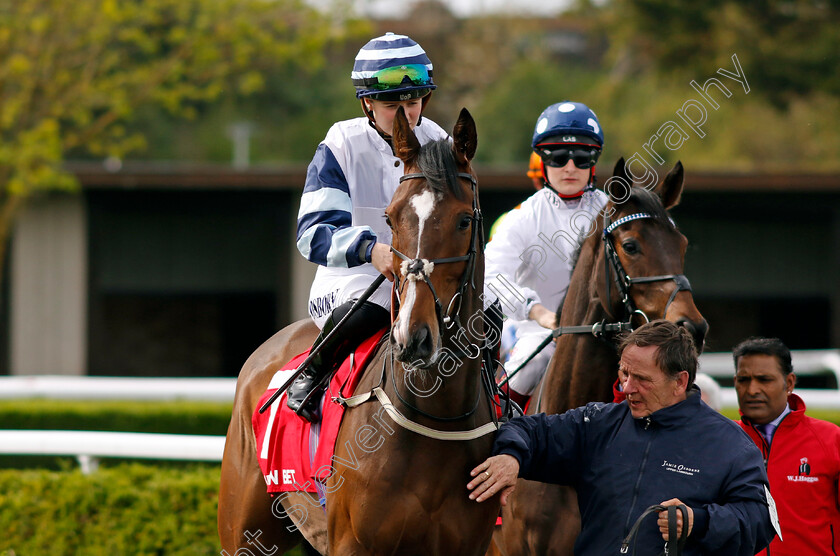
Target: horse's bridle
(625, 282)
(419, 269)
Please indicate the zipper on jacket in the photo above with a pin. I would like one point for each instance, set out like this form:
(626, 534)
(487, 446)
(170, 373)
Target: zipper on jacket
(642, 467)
(831, 528)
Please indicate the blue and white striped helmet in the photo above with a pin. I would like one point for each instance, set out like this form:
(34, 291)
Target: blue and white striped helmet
(392, 67)
(568, 122)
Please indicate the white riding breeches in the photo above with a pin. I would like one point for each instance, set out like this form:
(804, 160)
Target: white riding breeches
(326, 295)
(529, 335)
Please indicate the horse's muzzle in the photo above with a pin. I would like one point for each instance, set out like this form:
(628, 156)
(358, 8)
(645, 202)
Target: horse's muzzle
(418, 349)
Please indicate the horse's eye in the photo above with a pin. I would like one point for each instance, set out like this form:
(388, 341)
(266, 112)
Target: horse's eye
(465, 222)
(388, 221)
(631, 247)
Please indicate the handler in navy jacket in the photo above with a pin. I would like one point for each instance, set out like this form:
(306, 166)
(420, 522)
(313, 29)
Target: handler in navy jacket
(660, 446)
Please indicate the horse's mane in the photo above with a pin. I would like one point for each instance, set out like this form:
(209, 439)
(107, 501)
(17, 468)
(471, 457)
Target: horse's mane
(437, 162)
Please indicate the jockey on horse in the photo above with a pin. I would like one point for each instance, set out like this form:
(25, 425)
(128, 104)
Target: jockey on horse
(545, 231)
(349, 184)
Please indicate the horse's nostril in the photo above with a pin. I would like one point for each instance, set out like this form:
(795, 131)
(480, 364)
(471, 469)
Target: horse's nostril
(422, 342)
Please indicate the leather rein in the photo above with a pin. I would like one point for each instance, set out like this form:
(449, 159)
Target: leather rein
(676, 543)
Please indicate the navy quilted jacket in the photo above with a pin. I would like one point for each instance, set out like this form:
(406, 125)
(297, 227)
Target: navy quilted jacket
(620, 465)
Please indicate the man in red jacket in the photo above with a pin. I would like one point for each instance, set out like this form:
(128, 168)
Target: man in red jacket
(801, 454)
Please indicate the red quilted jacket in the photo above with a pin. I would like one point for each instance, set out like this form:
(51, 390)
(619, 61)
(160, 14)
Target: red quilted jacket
(803, 465)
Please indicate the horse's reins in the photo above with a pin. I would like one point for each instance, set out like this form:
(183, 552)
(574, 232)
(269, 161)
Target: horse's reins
(675, 544)
(419, 269)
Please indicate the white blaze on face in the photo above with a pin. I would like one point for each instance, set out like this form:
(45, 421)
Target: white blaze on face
(424, 205)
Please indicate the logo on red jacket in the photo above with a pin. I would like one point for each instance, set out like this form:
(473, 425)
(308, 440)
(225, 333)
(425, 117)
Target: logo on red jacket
(804, 467)
(803, 475)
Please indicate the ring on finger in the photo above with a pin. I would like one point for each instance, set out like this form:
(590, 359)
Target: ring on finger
(487, 474)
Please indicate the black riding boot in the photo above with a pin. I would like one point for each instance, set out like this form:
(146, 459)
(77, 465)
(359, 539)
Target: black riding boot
(365, 321)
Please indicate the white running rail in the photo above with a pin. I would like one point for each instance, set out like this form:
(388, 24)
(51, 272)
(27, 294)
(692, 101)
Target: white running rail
(88, 446)
(117, 388)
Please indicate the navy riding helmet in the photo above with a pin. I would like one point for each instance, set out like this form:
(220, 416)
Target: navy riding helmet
(392, 67)
(570, 123)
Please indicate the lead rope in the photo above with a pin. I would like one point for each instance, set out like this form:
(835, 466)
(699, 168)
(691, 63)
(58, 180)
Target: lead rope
(674, 546)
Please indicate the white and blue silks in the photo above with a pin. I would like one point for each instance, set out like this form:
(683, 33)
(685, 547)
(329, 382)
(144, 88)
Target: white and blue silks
(349, 184)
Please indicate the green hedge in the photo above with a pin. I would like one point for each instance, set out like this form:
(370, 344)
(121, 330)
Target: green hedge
(126, 510)
(177, 417)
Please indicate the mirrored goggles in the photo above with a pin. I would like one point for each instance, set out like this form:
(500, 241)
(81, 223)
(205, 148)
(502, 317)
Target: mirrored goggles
(390, 78)
(583, 157)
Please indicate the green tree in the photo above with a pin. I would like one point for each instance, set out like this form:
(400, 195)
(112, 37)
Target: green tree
(787, 48)
(74, 74)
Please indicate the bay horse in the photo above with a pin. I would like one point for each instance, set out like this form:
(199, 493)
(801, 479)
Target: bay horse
(633, 271)
(398, 483)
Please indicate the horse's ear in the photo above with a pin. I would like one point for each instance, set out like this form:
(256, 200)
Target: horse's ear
(406, 145)
(620, 171)
(671, 187)
(465, 138)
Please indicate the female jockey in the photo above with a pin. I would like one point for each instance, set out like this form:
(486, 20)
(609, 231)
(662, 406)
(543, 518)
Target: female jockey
(349, 184)
(530, 258)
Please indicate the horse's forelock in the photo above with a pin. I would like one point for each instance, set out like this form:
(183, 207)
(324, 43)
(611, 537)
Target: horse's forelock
(437, 162)
(649, 202)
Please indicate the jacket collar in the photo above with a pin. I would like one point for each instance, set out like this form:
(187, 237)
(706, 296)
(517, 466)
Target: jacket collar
(679, 413)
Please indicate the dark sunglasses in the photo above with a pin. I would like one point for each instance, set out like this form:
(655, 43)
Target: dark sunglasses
(582, 157)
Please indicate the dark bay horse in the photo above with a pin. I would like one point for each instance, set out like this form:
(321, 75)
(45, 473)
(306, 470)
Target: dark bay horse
(397, 484)
(646, 252)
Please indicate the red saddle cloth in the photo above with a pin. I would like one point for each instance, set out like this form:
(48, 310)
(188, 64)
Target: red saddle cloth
(290, 450)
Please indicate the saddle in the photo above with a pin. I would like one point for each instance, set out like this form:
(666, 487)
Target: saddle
(294, 454)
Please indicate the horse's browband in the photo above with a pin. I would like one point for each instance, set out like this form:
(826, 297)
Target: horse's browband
(417, 175)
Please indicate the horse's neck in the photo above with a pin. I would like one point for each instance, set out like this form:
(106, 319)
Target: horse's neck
(584, 367)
